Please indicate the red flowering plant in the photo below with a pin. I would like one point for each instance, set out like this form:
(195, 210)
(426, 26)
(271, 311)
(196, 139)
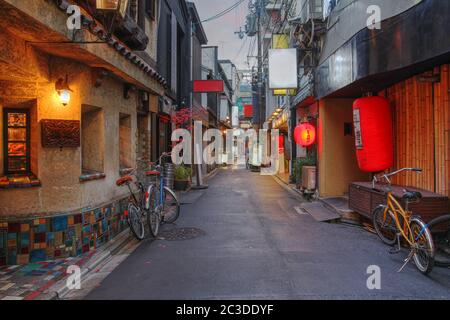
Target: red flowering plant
(183, 118)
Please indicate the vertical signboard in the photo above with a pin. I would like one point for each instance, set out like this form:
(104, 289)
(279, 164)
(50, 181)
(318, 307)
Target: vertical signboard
(223, 114)
(235, 116)
(283, 69)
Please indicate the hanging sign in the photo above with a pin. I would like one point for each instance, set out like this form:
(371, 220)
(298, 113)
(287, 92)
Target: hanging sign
(208, 86)
(283, 69)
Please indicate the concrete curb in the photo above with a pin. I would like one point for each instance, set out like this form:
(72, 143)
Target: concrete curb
(212, 174)
(285, 186)
(59, 289)
(345, 216)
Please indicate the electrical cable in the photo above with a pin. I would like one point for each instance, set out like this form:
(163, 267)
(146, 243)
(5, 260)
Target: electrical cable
(240, 49)
(282, 26)
(268, 24)
(223, 12)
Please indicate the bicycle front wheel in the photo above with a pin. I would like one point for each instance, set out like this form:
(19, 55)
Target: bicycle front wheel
(135, 221)
(384, 224)
(424, 255)
(171, 210)
(153, 215)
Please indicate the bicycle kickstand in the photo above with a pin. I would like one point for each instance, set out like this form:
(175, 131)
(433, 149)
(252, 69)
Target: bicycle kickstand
(407, 260)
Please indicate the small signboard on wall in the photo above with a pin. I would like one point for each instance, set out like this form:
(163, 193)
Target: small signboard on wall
(208, 86)
(60, 133)
(283, 69)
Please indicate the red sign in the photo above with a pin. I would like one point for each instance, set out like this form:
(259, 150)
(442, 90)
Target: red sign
(208, 86)
(248, 111)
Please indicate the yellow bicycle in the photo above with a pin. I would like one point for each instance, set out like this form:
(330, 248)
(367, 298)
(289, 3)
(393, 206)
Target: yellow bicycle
(392, 222)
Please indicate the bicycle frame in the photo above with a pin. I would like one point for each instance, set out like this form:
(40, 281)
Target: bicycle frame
(161, 199)
(396, 208)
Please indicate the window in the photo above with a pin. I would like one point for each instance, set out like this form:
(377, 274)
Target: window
(125, 141)
(16, 143)
(143, 145)
(92, 140)
(150, 8)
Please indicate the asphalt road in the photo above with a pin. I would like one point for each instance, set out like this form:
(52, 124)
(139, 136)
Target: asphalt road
(254, 245)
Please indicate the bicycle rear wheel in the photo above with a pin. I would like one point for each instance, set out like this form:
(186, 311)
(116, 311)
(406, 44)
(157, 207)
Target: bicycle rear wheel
(171, 210)
(424, 255)
(385, 225)
(153, 215)
(135, 221)
(440, 231)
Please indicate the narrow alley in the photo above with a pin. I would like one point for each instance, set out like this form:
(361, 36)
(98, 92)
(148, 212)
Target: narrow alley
(254, 244)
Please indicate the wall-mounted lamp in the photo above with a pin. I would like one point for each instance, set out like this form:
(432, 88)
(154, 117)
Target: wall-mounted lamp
(62, 87)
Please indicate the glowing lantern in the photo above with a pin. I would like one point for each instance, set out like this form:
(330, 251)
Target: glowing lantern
(373, 134)
(62, 87)
(305, 135)
(281, 144)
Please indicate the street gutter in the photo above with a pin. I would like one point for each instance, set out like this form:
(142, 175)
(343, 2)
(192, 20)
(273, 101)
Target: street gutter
(296, 193)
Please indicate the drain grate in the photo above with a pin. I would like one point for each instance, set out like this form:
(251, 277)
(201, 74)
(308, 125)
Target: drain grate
(181, 234)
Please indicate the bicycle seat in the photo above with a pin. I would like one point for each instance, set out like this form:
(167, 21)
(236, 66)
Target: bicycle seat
(123, 180)
(412, 196)
(152, 173)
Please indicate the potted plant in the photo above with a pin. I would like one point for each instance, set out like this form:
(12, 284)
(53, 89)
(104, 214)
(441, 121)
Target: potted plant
(298, 168)
(182, 177)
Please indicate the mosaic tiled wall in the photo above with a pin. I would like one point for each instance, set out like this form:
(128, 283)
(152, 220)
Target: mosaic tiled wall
(42, 239)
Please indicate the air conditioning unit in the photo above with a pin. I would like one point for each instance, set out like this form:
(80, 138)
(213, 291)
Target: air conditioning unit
(311, 10)
(251, 25)
(309, 178)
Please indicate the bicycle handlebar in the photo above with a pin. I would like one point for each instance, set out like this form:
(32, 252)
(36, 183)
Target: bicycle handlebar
(164, 155)
(387, 175)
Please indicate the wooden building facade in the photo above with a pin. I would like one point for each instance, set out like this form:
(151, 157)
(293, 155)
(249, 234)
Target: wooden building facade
(421, 112)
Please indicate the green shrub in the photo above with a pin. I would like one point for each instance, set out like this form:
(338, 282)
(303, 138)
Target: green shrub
(183, 172)
(298, 167)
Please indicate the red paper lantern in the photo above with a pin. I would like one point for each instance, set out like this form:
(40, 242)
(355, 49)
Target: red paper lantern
(305, 134)
(281, 144)
(373, 134)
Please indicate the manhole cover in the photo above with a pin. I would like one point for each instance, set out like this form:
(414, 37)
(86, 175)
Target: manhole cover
(180, 234)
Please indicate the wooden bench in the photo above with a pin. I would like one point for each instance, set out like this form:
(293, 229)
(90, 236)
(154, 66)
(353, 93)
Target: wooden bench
(364, 199)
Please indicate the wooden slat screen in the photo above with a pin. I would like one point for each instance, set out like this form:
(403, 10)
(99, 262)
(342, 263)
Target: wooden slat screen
(421, 113)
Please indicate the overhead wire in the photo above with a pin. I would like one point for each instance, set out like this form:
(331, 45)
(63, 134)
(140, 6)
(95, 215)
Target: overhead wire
(282, 25)
(242, 47)
(223, 12)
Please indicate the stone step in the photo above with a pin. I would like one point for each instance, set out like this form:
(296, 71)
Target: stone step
(339, 205)
(320, 213)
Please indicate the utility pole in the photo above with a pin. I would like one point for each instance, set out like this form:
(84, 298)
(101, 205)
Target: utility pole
(259, 8)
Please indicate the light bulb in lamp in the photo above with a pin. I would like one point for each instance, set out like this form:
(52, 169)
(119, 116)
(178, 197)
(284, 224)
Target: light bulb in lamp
(64, 96)
(64, 92)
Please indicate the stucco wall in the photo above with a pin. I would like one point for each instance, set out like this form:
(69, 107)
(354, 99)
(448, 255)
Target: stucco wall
(60, 170)
(41, 20)
(151, 29)
(337, 157)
